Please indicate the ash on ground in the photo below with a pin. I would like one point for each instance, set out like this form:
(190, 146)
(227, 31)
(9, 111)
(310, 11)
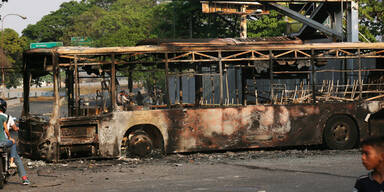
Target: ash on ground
(179, 159)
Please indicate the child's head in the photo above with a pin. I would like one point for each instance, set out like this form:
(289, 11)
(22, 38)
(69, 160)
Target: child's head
(372, 152)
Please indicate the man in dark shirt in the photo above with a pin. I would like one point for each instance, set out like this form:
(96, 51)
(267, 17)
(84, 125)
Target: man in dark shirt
(372, 156)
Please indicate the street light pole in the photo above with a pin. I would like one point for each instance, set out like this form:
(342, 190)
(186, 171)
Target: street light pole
(2, 47)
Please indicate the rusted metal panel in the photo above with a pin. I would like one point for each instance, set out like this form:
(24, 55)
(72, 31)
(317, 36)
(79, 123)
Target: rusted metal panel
(38, 143)
(204, 45)
(229, 128)
(53, 130)
(87, 131)
(33, 138)
(220, 41)
(113, 82)
(243, 22)
(254, 126)
(230, 7)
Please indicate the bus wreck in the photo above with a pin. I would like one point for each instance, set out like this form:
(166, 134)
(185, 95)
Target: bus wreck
(211, 94)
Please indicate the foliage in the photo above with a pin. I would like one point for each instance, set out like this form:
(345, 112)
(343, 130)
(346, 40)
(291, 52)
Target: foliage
(104, 4)
(267, 25)
(52, 26)
(127, 22)
(368, 35)
(371, 15)
(13, 48)
(151, 77)
(83, 25)
(184, 19)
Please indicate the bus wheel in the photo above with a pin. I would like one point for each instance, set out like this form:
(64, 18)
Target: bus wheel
(340, 133)
(140, 143)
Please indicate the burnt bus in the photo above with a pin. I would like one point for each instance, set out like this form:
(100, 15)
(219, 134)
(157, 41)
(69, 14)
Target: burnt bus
(200, 95)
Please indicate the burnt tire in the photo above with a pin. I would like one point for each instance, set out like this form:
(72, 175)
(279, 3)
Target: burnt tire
(340, 133)
(140, 144)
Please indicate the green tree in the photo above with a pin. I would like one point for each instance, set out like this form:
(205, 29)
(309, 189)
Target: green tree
(185, 19)
(83, 25)
(126, 22)
(104, 4)
(371, 18)
(267, 25)
(52, 26)
(13, 50)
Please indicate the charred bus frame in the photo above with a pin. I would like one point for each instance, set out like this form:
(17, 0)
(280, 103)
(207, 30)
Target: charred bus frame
(269, 94)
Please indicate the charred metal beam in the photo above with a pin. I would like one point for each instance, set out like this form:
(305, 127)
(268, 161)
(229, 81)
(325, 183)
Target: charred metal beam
(213, 88)
(130, 81)
(221, 79)
(237, 87)
(113, 82)
(243, 22)
(56, 108)
(198, 85)
(26, 84)
(243, 86)
(360, 78)
(305, 20)
(271, 75)
(69, 85)
(167, 81)
(313, 66)
(230, 7)
(226, 86)
(204, 47)
(77, 87)
(181, 84)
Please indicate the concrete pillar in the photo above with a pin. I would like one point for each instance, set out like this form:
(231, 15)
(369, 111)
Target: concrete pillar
(353, 22)
(352, 30)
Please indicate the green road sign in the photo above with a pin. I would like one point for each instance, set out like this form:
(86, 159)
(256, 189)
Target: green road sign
(45, 45)
(81, 41)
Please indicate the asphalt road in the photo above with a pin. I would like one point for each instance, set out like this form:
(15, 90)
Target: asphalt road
(249, 171)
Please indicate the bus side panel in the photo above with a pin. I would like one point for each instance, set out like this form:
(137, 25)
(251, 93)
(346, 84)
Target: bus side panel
(253, 126)
(260, 126)
(250, 127)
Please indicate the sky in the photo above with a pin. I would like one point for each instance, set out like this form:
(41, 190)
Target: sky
(34, 10)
